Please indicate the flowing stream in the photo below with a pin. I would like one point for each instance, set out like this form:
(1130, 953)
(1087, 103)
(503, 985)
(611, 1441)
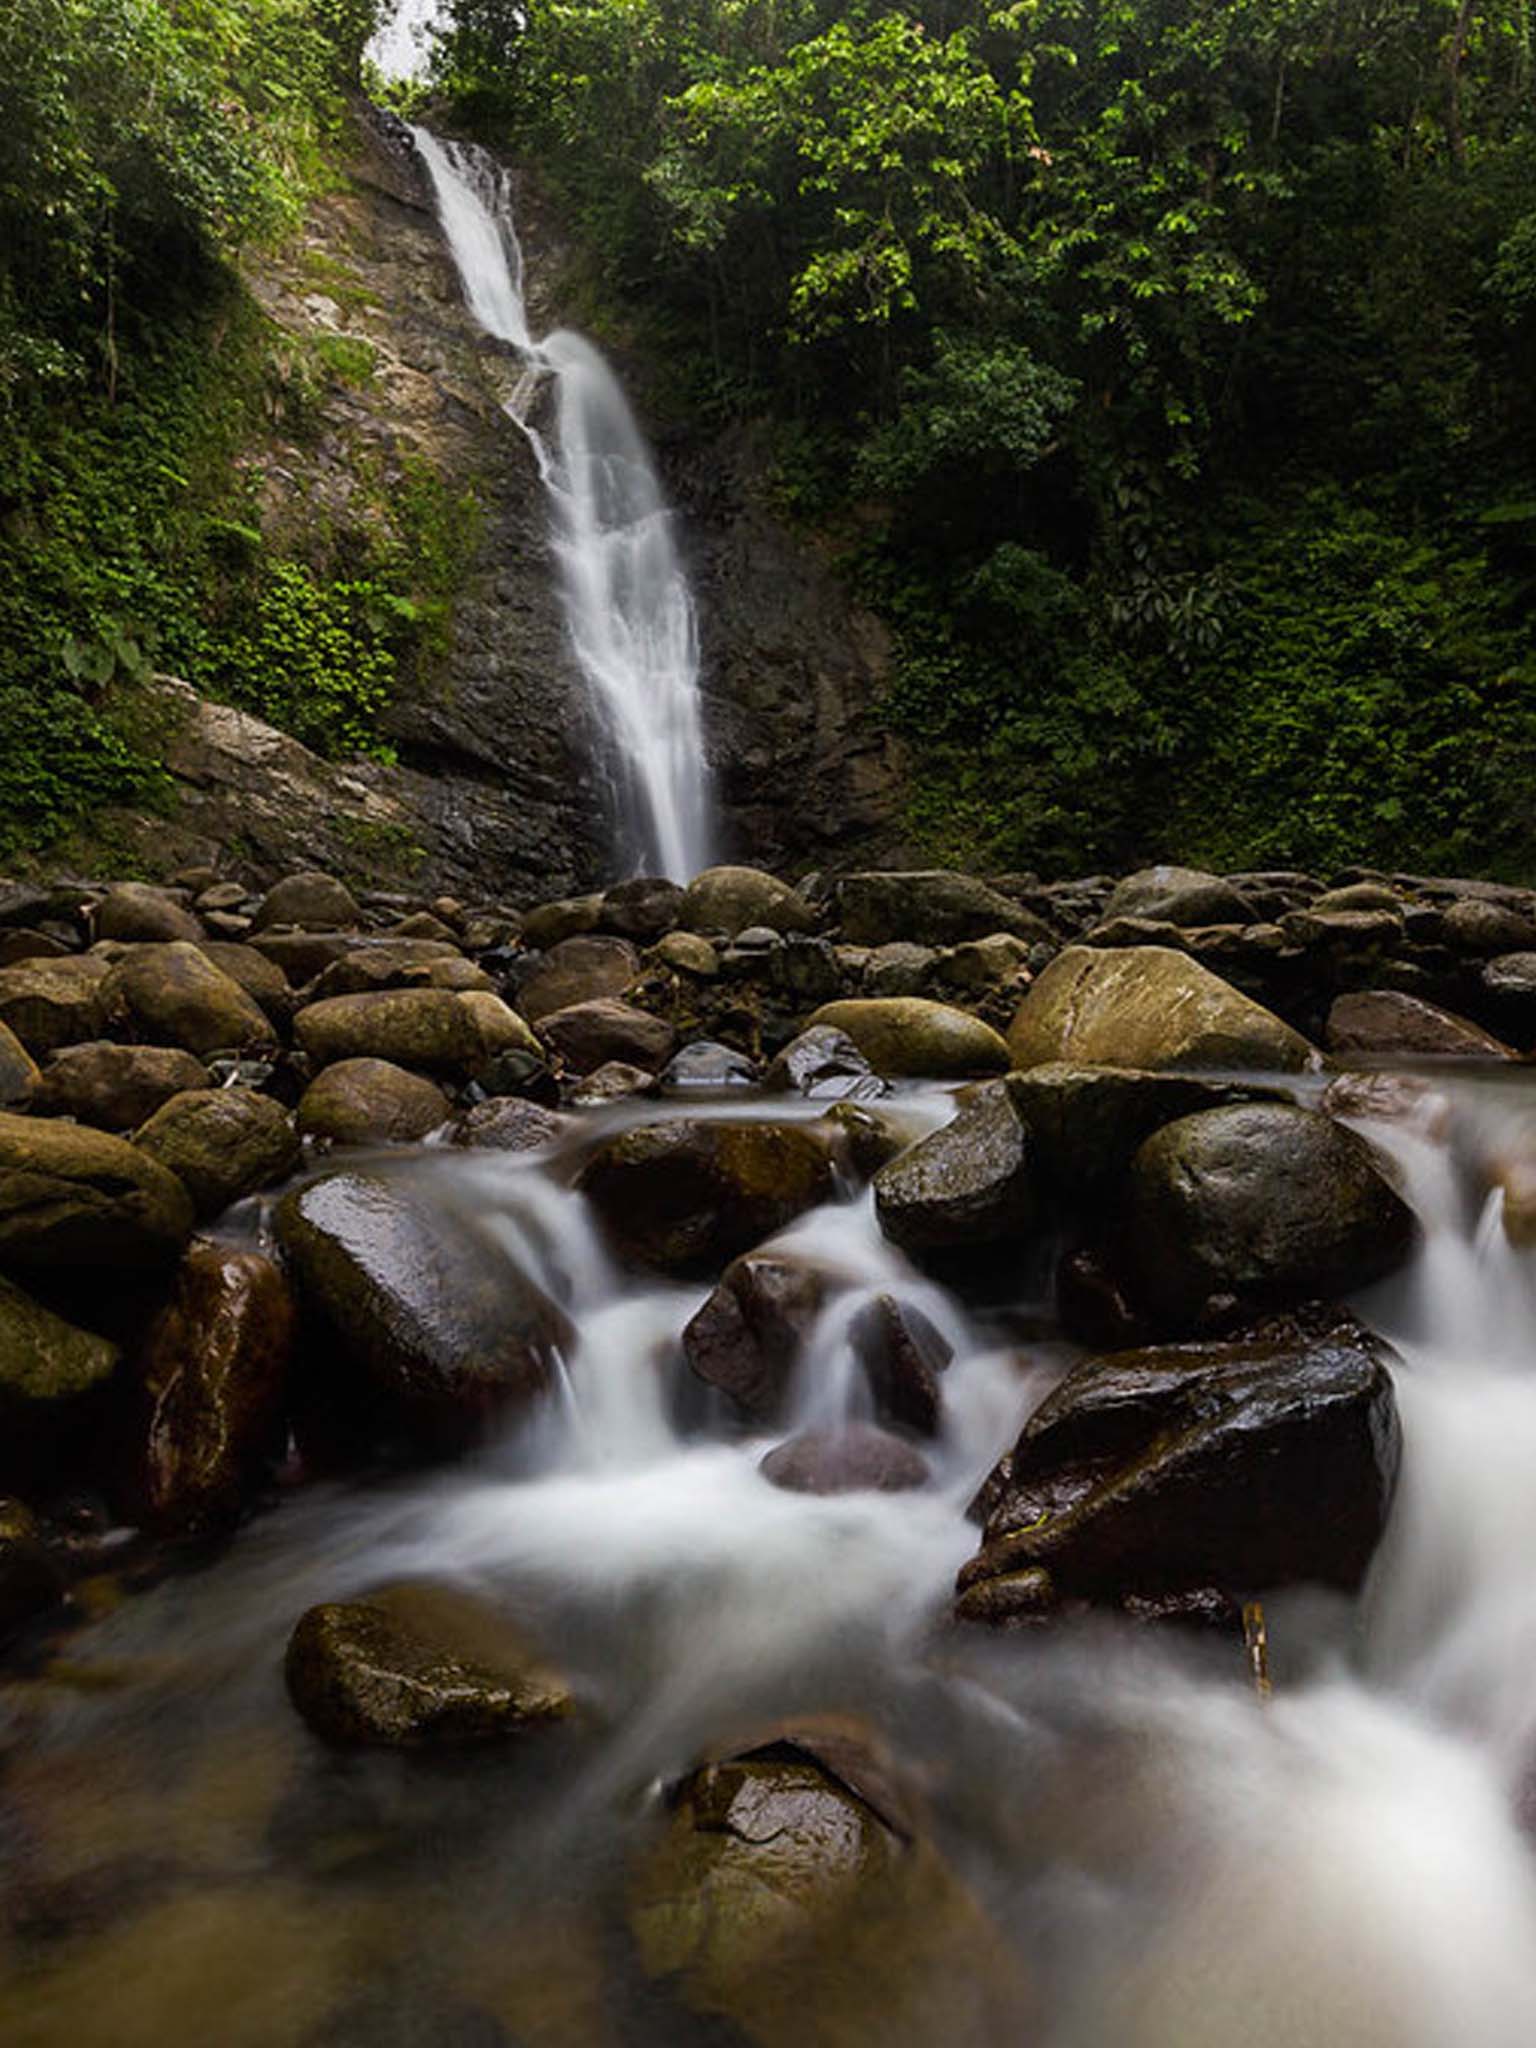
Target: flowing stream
(1160, 1860)
(628, 608)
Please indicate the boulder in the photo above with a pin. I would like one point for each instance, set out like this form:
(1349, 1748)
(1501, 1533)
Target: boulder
(707, 1066)
(855, 1457)
(302, 956)
(363, 1102)
(549, 923)
(262, 979)
(902, 1356)
(19, 1075)
(900, 969)
(30, 1582)
(578, 970)
(687, 953)
(175, 995)
(374, 964)
(1232, 1468)
(642, 909)
(613, 1081)
(746, 1338)
(929, 907)
(972, 1183)
(1086, 1122)
(1259, 1204)
(983, 964)
(730, 900)
(1147, 1007)
(49, 1003)
(213, 1367)
(588, 1035)
(1179, 896)
(1471, 926)
(115, 1087)
(686, 1196)
(824, 1065)
(1383, 1023)
(417, 1666)
(311, 902)
(52, 1379)
(501, 1029)
(134, 910)
(910, 1037)
(72, 1197)
(222, 1144)
(438, 1329)
(506, 1123)
(428, 1028)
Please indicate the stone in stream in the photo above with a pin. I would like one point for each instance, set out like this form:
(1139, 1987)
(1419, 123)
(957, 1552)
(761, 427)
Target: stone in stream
(855, 1457)
(929, 907)
(1231, 1468)
(747, 1336)
(362, 1102)
(1086, 1122)
(416, 1666)
(1147, 1007)
(30, 1581)
(73, 1198)
(428, 1028)
(822, 1064)
(508, 1123)
(613, 1081)
(430, 1322)
(174, 995)
(902, 1355)
(908, 1036)
(212, 1372)
(116, 1087)
(708, 1066)
(222, 1144)
(686, 1196)
(1259, 1205)
(1381, 1022)
(49, 1003)
(588, 1035)
(732, 899)
(968, 1185)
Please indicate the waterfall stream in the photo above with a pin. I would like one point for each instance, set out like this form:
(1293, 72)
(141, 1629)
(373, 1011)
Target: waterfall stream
(628, 608)
(1170, 1863)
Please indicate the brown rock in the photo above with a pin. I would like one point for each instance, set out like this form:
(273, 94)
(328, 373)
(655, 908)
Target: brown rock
(222, 1144)
(427, 1028)
(506, 1123)
(578, 970)
(19, 1076)
(49, 1003)
(134, 910)
(588, 1035)
(1382, 1022)
(312, 902)
(853, 1458)
(176, 996)
(747, 1336)
(115, 1087)
(363, 1101)
(72, 1197)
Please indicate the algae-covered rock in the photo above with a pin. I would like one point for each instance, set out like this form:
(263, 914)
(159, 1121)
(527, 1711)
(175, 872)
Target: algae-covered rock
(222, 1144)
(428, 1028)
(909, 1036)
(732, 900)
(362, 1102)
(72, 1197)
(174, 995)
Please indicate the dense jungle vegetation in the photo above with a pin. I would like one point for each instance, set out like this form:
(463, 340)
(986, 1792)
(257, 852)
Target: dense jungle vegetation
(1166, 369)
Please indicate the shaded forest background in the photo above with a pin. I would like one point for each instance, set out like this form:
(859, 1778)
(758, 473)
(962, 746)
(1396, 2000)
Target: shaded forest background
(1162, 371)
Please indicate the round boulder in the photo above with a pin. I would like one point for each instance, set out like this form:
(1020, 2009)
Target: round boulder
(313, 902)
(731, 900)
(910, 1037)
(590, 1035)
(76, 1198)
(222, 1144)
(363, 1102)
(134, 910)
(1179, 896)
(856, 1457)
(176, 996)
(579, 970)
(115, 1087)
(49, 1003)
(429, 1028)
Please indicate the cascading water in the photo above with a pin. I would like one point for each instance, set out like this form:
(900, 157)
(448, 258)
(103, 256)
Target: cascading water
(628, 608)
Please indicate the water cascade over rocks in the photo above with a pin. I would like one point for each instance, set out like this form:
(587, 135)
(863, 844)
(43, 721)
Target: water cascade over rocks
(628, 607)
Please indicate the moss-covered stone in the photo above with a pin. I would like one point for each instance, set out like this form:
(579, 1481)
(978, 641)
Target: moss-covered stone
(222, 1144)
(72, 1197)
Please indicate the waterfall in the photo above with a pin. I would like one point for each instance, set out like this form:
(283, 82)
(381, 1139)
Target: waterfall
(628, 609)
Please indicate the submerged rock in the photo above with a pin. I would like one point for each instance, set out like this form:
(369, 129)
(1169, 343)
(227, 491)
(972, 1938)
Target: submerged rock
(417, 1666)
(909, 1036)
(222, 1144)
(686, 1196)
(1147, 1007)
(1235, 1468)
(441, 1327)
(855, 1457)
(72, 1197)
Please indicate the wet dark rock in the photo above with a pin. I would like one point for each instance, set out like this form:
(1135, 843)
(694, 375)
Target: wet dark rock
(134, 910)
(53, 1376)
(1383, 1023)
(213, 1367)
(115, 1087)
(686, 1196)
(414, 1667)
(588, 1035)
(908, 1036)
(1094, 1305)
(579, 970)
(222, 1144)
(361, 1102)
(867, 1136)
(729, 900)
(1086, 1122)
(855, 1457)
(507, 1123)
(1473, 926)
(902, 1355)
(1179, 896)
(19, 1076)
(823, 1064)
(174, 995)
(747, 1336)
(705, 1064)
(376, 964)
(441, 1329)
(426, 1028)
(1239, 1467)
(928, 907)
(30, 1581)
(1257, 1205)
(311, 902)
(72, 1197)
(900, 968)
(970, 1184)
(49, 1003)
(613, 1081)
(642, 909)
(1147, 1007)
(805, 970)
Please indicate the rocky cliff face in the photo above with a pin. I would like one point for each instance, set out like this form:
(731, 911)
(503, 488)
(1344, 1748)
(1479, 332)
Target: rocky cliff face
(500, 781)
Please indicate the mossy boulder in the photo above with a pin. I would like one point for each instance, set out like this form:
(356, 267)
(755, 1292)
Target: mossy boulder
(1148, 1007)
(138, 911)
(116, 1087)
(427, 1028)
(911, 1037)
(77, 1198)
(49, 1003)
(733, 899)
(174, 995)
(222, 1144)
(686, 1196)
(363, 1102)
(928, 907)
(971, 1184)
(590, 1035)
(313, 902)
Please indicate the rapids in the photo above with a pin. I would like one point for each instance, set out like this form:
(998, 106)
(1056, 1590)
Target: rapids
(1170, 1862)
